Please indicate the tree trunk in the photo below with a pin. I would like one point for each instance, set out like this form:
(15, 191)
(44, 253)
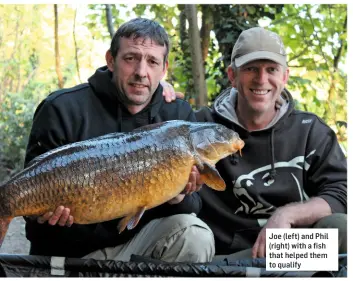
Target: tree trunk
(332, 89)
(76, 49)
(207, 25)
(108, 13)
(57, 54)
(182, 23)
(198, 71)
(186, 57)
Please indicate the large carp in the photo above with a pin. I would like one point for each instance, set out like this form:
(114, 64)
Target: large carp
(119, 174)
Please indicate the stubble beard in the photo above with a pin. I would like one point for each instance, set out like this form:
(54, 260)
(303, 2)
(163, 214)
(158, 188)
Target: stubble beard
(127, 98)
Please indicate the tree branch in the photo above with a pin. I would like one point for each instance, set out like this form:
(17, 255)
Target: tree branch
(339, 51)
(108, 13)
(315, 35)
(299, 55)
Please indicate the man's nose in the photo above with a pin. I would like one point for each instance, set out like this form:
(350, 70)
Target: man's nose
(141, 69)
(261, 76)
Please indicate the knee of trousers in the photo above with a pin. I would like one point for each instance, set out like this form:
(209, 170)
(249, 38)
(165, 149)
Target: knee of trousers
(191, 233)
(336, 220)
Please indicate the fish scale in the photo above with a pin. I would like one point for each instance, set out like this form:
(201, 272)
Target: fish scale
(119, 175)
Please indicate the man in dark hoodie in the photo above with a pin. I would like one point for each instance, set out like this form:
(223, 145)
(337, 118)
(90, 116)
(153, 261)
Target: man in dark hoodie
(292, 172)
(124, 95)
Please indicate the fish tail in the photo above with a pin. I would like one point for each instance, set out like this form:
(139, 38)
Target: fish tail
(4, 225)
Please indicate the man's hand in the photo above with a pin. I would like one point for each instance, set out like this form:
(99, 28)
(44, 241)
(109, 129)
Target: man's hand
(279, 219)
(61, 216)
(294, 214)
(169, 93)
(194, 185)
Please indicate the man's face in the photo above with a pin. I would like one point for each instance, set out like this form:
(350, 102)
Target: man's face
(137, 69)
(259, 84)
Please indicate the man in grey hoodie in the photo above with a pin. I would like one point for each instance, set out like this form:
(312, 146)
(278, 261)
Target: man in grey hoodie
(292, 173)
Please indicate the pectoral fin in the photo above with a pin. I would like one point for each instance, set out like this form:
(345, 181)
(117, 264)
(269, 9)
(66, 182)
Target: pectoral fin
(130, 221)
(211, 177)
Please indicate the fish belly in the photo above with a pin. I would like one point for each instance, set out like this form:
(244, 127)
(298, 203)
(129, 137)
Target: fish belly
(148, 187)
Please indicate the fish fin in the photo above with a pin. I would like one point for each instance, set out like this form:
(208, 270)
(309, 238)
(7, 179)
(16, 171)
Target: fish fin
(136, 218)
(122, 223)
(130, 221)
(210, 176)
(148, 127)
(4, 225)
(199, 163)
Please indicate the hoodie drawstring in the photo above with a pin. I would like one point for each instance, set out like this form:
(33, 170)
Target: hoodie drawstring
(157, 119)
(234, 158)
(273, 172)
(150, 119)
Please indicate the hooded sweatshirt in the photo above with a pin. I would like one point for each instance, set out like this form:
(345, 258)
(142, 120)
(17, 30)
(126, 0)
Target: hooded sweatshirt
(295, 157)
(86, 111)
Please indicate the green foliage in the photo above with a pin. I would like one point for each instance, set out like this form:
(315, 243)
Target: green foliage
(315, 36)
(229, 22)
(97, 21)
(15, 123)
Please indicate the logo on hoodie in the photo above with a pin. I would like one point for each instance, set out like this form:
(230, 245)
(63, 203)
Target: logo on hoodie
(245, 186)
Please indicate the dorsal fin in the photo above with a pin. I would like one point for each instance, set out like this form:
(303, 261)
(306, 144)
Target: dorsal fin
(149, 127)
(44, 155)
(39, 158)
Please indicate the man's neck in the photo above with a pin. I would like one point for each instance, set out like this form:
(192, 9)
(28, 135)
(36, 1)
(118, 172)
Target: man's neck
(134, 109)
(254, 122)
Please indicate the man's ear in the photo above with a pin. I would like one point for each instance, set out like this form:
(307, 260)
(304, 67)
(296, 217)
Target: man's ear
(231, 75)
(165, 68)
(286, 76)
(110, 60)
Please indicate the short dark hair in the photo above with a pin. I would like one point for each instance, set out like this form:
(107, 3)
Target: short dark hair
(140, 28)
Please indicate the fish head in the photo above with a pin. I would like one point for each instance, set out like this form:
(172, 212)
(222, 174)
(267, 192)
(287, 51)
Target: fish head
(214, 142)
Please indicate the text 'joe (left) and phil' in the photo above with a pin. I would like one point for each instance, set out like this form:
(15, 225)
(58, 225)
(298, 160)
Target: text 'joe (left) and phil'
(297, 236)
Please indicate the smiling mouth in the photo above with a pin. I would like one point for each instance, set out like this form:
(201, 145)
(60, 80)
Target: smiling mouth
(138, 85)
(260, 92)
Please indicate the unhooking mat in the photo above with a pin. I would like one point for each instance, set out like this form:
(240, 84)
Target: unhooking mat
(44, 266)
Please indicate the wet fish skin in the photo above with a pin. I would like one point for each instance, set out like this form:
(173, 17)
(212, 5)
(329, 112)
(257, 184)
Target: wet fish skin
(84, 177)
(119, 174)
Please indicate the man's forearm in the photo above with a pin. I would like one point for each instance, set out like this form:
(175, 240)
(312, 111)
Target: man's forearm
(306, 213)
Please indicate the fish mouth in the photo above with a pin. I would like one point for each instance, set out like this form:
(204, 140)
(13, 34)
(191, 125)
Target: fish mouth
(238, 145)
